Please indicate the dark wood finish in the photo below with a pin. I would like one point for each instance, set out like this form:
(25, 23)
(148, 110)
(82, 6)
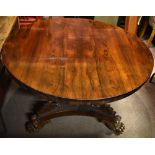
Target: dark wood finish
(103, 113)
(80, 65)
(77, 59)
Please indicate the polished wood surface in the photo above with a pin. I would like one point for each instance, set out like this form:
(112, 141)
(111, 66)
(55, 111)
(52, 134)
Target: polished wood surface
(77, 59)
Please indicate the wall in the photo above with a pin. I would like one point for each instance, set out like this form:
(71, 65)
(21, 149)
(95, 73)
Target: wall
(107, 19)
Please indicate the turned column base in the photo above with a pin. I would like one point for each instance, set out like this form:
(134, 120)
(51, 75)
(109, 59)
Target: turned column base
(51, 109)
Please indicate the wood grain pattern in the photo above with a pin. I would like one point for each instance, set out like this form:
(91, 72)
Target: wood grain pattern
(77, 59)
(131, 24)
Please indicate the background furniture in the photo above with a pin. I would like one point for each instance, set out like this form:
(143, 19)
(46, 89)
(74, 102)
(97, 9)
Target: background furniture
(148, 22)
(6, 24)
(143, 26)
(24, 21)
(151, 79)
(131, 24)
(152, 24)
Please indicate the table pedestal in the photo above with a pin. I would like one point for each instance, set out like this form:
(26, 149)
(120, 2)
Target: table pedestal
(52, 109)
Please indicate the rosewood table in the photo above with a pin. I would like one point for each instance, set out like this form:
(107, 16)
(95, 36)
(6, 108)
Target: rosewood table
(78, 66)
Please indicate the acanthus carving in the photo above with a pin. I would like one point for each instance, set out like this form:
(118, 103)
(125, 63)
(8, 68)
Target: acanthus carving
(51, 109)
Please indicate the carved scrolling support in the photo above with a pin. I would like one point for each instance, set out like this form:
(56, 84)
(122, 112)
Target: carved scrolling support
(51, 109)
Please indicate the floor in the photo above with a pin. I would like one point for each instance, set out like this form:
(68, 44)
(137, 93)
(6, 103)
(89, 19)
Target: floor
(137, 111)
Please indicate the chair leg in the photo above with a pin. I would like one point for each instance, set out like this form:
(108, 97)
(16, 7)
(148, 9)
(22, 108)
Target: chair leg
(151, 38)
(144, 28)
(152, 78)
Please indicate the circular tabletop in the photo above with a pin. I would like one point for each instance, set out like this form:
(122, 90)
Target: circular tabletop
(77, 59)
